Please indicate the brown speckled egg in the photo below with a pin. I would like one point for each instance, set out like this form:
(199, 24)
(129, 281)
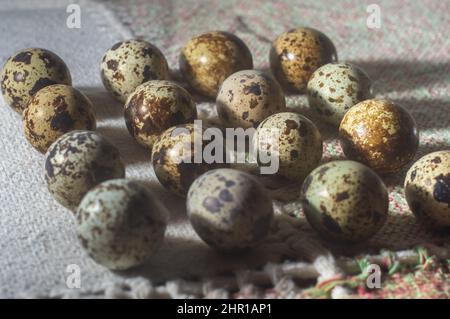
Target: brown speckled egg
(294, 140)
(345, 201)
(120, 223)
(176, 161)
(130, 63)
(296, 54)
(334, 88)
(208, 59)
(54, 111)
(229, 209)
(28, 71)
(78, 161)
(247, 97)
(427, 189)
(379, 134)
(156, 106)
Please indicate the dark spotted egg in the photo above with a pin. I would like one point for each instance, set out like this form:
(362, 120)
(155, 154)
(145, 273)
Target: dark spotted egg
(247, 97)
(130, 63)
(156, 106)
(334, 88)
(54, 111)
(229, 209)
(28, 71)
(345, 201)
(297, 53)
(427, 189)
(78, 161)
(294, 140)
(120, 223)
(177, 157)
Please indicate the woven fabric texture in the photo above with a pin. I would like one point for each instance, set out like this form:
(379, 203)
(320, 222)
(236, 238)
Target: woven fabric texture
(408, 61)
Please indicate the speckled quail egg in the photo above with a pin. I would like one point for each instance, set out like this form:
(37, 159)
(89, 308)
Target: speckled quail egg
(156, 106)
(297, 53)
(294, 140)
(427, 189)
(247, 97)
(229, 209)
(78, 161)
(178, 157)
(53, 111)
(334, 88)
(120, 223)
(208, 59)
(345, 201)
(379, 134)
(130, 63)
(28, 71)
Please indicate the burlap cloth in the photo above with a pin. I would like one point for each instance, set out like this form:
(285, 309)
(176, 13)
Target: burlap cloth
(407, 58)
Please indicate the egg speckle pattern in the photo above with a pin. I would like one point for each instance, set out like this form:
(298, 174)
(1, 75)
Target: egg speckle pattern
(229, 209)
(53, 111)
(295, 141)
(130, 63)
(78, 161)
(334, 88)
(427, 189)
(297, 53)
(156, 106)
(208, 59)
(120, 223)
(345, 201)
(28, 71)
(379, 134)
(175, 157)
(247, 97)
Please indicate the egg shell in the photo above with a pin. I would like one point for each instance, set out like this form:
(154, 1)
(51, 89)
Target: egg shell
(174, 157)
(54, 111)
(208, 59)
(78, 161)
(427, 189)
(156, 106)
(120, 223)
(334, 88)
(229, 209)
(28, 71)
(345, 201)
(247, 97)
(128, 64)
(379, 134)
(297, 53)
(297, 143)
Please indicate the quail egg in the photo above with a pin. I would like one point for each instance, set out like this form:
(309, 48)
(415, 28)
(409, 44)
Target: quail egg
(345, 201)
(294, 140)
(53, 111)
(178, 157)
(334, 88)
(247, 97)
(379, 134)
(427, 189)
(120, 223)
(156, 106)
(297, 53)
(130, 63)
(78, 161)
(229, 209)
(208, 59)
(28, 71)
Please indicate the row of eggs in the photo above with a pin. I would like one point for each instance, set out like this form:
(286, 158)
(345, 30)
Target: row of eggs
(378, 133)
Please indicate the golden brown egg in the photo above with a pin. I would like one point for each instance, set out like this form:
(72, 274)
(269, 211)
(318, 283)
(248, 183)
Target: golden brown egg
(296, 54)
(207, 60)
(380, 134)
